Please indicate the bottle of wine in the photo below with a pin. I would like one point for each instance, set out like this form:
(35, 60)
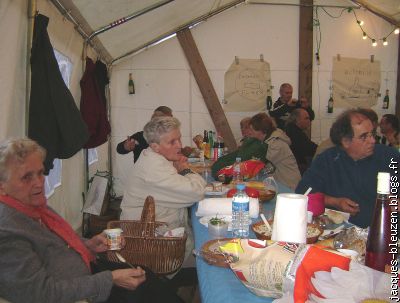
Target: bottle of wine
(269, 102)
(131, 85)
(211, 144)
(377, 255)
(385, 104)
(206, 145)
(330, 105)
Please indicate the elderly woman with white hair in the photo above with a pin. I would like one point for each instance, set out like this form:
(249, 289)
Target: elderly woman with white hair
(163, 172)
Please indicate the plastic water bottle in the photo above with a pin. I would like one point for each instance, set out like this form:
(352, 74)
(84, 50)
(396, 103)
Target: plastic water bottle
(240, 212)
(237, 175)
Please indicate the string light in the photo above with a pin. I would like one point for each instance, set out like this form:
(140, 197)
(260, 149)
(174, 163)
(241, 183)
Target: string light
(373, 40)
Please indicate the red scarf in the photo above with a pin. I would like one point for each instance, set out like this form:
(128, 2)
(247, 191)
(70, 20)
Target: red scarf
(53, 222)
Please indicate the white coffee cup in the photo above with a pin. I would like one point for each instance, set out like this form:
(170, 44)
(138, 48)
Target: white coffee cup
(309, 216)
(114, 239)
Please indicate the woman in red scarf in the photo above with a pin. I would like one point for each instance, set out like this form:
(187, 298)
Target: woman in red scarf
(41, 257)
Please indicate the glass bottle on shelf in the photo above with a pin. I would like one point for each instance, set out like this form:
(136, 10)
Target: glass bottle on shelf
(377, 252)
(131, 85)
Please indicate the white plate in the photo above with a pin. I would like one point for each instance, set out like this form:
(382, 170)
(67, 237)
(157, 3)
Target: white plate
(225, 189)
(345, 215)
(204, 220)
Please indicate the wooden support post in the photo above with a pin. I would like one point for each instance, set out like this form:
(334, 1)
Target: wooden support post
(206, 87)
(306, 49)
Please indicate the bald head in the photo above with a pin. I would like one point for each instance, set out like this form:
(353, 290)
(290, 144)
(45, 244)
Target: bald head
(286, 92)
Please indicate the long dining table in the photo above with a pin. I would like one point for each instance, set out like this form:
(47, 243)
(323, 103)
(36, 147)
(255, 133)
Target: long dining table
(217, 284)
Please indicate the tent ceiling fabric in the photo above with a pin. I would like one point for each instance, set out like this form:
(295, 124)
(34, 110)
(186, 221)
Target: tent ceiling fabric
(96, 14)
(388, 8)
(140, 30)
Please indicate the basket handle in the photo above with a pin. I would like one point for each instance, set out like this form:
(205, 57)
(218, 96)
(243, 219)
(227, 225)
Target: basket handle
(149, 211)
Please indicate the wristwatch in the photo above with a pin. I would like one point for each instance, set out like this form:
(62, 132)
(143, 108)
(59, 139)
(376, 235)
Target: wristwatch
(186, 171)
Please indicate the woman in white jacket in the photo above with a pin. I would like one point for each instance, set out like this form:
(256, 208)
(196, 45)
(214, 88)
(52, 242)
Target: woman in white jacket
(278, 152)
(163, 172)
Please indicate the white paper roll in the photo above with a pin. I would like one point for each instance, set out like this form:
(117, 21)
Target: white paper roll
(223, 206)
(290, 219)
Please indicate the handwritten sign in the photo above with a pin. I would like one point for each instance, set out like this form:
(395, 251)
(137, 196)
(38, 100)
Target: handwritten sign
(247, 84)
(356, 82)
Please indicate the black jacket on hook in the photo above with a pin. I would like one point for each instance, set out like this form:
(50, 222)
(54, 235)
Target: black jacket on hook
(54, 119)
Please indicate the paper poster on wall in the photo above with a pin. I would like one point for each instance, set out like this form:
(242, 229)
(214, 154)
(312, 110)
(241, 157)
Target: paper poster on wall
(355, 82)
(247, 84)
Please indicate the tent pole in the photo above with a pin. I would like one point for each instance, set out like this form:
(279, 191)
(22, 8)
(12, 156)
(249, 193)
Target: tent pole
(127, 18)
(31, 19)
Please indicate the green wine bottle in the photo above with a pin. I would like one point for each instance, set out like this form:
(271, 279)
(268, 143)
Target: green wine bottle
(330, 105)
(269, 102)
(385, 104)
(131, 85)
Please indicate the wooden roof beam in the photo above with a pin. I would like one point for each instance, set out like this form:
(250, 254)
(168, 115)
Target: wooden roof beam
(206, 87)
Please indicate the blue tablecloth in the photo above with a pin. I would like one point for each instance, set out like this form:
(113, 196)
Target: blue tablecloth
(220, 284)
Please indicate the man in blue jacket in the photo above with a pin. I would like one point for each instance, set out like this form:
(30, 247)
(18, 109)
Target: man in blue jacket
(347, 173)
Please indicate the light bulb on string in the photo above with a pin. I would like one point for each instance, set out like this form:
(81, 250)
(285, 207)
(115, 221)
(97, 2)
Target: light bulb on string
(374, 42)
(384, 42)
(364, 36)
(360, 22)
(397, 31)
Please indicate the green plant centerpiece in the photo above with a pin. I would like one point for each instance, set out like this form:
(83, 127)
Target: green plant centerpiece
(217, 221)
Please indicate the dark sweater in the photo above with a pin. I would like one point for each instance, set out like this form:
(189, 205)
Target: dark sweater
(280, 112)
(302, 147)
(138, 148)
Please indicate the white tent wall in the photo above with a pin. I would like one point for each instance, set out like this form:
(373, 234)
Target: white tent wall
(13, 30)
(67, 198)
(343, 36)
(163, 77)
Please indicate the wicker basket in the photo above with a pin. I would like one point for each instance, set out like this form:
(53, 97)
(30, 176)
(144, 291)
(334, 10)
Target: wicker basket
(163, 255)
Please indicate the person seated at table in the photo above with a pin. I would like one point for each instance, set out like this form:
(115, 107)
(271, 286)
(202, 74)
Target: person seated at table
(278, 150)
(286, 104)
(305, 104)
(302, 147)
(163, 172)
(41, 257)
(389, 126)
(347, 173)
(136, 142)
(245, 128)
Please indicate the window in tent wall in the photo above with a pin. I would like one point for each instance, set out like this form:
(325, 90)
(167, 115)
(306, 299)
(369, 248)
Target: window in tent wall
(53, 180)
